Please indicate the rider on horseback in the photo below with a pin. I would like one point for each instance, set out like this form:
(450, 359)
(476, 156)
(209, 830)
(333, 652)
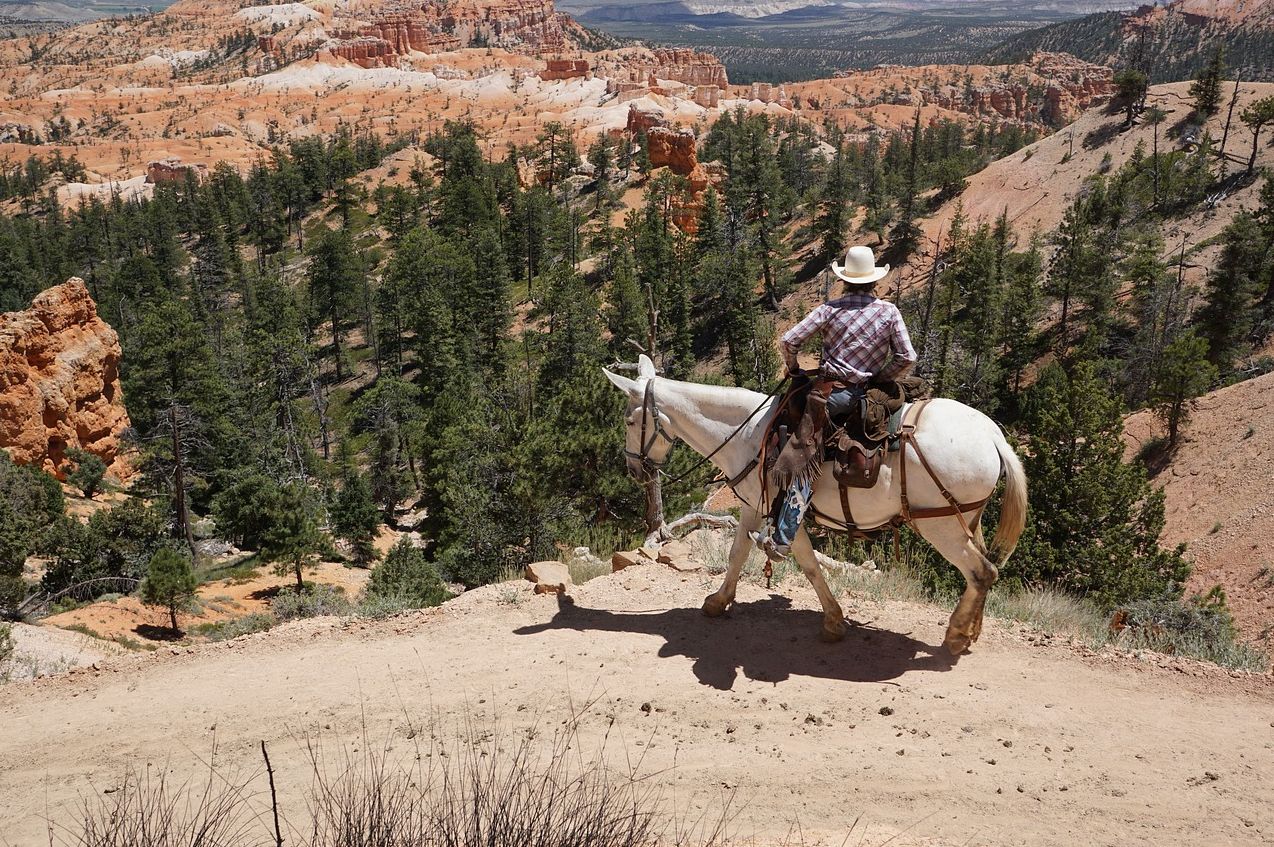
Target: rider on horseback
(864, 340)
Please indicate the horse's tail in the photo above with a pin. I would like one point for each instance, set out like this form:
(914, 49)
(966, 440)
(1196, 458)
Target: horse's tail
(1013, 504)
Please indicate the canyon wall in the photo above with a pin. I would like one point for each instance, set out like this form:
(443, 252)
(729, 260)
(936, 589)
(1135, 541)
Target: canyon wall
(59, 381)
(533, 26)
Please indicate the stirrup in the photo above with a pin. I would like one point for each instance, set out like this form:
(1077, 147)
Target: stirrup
(773, 551)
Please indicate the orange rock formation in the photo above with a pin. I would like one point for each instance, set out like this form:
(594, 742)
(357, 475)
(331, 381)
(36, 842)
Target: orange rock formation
(59, 381)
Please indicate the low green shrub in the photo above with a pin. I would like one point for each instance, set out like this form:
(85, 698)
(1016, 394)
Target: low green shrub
(226, 630)
(405, 580)
(315, 601)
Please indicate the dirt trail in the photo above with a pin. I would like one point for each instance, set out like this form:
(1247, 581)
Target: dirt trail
(1020, 742)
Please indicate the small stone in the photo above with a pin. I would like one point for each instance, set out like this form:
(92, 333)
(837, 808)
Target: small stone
(886, 710)
(646, 707)
(621, 559)
(1007, 743)
(673, 551)
(549, 577)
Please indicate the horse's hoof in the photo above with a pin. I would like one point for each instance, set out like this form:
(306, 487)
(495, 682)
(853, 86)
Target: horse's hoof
(714, 607)
(832, 634)
(956, 643)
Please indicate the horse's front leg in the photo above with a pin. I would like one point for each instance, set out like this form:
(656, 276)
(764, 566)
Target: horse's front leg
(834, 625)
(715, 605)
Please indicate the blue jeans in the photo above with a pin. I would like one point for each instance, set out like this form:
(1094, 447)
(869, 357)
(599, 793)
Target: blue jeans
(796, 500)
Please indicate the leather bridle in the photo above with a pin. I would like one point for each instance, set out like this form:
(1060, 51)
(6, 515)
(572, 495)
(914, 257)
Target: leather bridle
(650, 411)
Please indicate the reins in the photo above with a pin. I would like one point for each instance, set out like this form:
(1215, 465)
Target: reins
(650, 408)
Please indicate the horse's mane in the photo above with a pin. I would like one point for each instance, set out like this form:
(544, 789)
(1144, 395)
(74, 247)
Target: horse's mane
(717, 402)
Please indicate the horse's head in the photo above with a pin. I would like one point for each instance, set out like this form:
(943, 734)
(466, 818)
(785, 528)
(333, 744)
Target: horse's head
(647, 441)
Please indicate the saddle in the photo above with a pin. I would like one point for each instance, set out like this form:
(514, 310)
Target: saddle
(803, 436)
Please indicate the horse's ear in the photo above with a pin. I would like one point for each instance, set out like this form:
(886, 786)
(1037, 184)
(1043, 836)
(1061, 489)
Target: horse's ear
(645, 367)
(623, 383)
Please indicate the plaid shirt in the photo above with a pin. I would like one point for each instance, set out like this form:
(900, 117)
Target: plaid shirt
(860, 333)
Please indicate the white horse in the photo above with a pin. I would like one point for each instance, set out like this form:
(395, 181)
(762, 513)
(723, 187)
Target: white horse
(963, 447)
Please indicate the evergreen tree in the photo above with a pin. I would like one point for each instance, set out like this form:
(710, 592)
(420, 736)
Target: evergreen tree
(334, 281)
(390, 411)
(1021, 308)
(602, 157)
(834, 212)
(1228, 314)
(1206, 88)
(245, 507)
(906, 233)
(87, 473)
(406, 579)
(170, 582)
(1256, 115)
(480, 526)
(177, 399)
(1130, 90)
(627, 317)
(1095, 521)
(291, 536)
(1184, 373)
(355, 517)
(31, 506)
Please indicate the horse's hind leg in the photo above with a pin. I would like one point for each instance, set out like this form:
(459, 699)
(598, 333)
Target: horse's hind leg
(979, 572)
(833, 618)
(716, 604)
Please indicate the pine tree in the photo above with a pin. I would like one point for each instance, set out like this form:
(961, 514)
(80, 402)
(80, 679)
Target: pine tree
(291, 536)
(1021, 314)
(1095, 521)
(355, 517)
(390, 411)
(834, 212)
(1256, 115)
(1184, 373)
(1228, 314)
(626, 313)
(170, 582)
(1206, 88)
(31, 505)
(906, 234)
(334, 281)
(178, 399)
(1130, 90)
(87, 473)
(602, 157)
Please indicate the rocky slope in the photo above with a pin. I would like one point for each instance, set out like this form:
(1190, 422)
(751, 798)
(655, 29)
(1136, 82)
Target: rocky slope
(59, 381)
(1219, 489)
(1046, 90)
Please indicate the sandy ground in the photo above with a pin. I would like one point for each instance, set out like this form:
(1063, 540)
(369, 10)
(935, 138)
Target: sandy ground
(220, 600)
(1023, 741)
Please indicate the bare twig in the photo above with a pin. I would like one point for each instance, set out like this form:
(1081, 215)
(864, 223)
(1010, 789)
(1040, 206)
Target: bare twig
(274, 799)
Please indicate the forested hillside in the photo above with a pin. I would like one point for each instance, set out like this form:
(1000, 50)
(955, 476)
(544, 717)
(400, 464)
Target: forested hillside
(353, 334)
(1168, 44)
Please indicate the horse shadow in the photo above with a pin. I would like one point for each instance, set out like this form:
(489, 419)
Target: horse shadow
(765, 640)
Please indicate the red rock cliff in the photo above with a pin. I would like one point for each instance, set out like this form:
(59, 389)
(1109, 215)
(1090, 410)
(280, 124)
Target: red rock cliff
(59, 381)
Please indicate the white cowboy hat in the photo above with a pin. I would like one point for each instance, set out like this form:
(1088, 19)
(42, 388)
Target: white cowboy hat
(860, 267)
